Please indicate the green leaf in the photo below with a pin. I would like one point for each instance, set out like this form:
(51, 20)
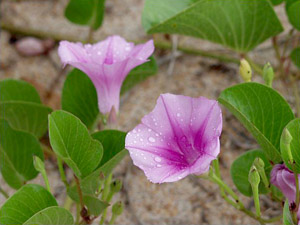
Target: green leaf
(79, 97)
(86, 12)
(17, 90)
(240, 170)
(288, 3)
(139, 74)
(294, 128)
(71, 141)
(295, 56)
(240, 25)
(262, 110)
(287, 216)
(95, 206)
(16, 155)
(293, 14)
(21, 106)
(53, 215)
(113, 142)
(25, 203)
(277, 2)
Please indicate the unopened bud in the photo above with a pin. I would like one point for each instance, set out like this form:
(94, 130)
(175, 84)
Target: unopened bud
(259, 163)
(116, 186)
(287, 139)
(253, 176)
(117, 208)
(268, 74)
(245, 70)
(38, 164)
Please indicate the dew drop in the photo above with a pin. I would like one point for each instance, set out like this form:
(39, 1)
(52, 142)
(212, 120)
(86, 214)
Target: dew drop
(158, 165)
(141, 139)
(149, 130)
(151, 139)
(157, 159)
(178, 114)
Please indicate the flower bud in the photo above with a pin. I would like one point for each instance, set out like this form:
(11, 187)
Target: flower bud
(260, 166)
(268, 74)
(38, 164)
(245, 70)
(116, 186)
(287, 139)
(259, 163)
(253, 176)
(117, 208)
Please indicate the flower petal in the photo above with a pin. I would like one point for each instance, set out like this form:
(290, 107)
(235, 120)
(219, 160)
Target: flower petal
(168, 134)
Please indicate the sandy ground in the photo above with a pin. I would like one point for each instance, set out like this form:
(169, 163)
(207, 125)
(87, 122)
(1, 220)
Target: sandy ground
(189, 201)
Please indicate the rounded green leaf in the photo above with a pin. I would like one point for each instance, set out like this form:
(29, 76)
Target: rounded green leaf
(288, 3)
(240, 170)
(21, 106)
(113, 142)
(17, 90)
(262, 110)
(295, 56)
(294, 15)
(294, 129)
(240, 25)
(53, 215)
(86, 12)
(79, 97)
(17, 149)
(79, 11)
(95, 206)
(277, 2)
(25, 203)
(72, 142)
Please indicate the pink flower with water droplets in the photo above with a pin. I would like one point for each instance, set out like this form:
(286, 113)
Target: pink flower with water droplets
(181, 136)
(107, 63)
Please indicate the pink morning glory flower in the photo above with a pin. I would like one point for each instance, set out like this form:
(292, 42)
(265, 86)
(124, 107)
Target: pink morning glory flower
(107, 63)
(284, 179)
(179, 137)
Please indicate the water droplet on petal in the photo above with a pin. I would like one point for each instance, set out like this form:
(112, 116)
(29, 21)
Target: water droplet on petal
(158, 165)
(151, 139)
(157, 159)
(178, 114)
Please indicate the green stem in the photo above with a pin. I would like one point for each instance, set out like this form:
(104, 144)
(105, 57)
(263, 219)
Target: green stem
(62, 172)
(4, 193)
(105, 196)
(90, 35)
(238, 204)
(46, 180)
(256, 67)
(47, 150)
(77, 213)
(226, 188)
(256, 200)
(68, 203)
(113, 218)
(79, 192)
